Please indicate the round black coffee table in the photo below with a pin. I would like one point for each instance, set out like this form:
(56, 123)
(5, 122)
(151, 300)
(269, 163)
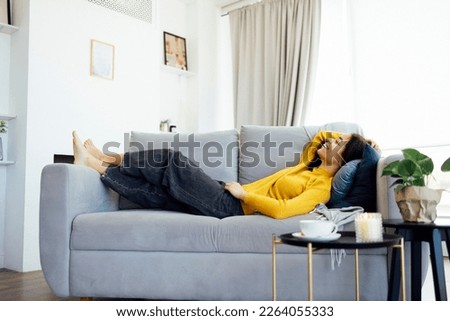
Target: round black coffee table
(432, 233)
(346, 241)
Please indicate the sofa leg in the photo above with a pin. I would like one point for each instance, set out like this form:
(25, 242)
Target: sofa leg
(86, 299)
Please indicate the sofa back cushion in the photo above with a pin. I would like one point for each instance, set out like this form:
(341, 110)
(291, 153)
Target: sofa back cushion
(342, 181)
(216, 152)
(265, 150)
(362, 191)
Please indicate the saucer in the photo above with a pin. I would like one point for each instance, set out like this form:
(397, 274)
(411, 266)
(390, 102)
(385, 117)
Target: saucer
(324, 238)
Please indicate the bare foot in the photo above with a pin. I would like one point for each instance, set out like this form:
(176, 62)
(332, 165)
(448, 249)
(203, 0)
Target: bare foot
(83, 157)
(80, 153)
(93, 150)
(97, 153)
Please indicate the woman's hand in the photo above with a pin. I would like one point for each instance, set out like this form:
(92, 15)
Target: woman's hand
(236, 190)
(372, 143)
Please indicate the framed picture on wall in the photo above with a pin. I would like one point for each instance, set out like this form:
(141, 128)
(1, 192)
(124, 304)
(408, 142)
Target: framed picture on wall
(175, 54)
(102, 59)
(5, 12)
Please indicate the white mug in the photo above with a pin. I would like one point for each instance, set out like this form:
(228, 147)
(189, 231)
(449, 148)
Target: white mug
(314, 228)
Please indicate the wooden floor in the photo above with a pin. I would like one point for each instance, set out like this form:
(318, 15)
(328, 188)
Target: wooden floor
(30, 286)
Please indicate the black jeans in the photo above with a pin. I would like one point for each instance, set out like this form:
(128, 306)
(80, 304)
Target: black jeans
(166, 179)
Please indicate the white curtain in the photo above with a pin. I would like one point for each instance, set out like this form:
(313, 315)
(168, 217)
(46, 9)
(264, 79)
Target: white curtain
(274, 51)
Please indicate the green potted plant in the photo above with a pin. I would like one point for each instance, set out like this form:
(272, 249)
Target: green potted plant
(416, 201)
(3, 127)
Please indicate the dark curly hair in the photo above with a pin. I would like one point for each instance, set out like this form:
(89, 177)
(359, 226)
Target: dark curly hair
(354, 148)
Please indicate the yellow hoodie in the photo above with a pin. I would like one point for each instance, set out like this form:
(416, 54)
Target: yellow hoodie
(293, 190)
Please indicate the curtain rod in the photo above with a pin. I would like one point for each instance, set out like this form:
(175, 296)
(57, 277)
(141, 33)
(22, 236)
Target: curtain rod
(235, 6)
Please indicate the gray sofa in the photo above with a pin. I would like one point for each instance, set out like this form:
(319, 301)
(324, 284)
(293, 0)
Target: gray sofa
(95, 244)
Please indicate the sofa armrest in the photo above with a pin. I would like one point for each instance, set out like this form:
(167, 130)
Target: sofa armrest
(385, 191)
(66, 191)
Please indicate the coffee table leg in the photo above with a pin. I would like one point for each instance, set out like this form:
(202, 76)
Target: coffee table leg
(274, 268)
(402, 267)
(310, 271)
(357, 274)
(394, 275)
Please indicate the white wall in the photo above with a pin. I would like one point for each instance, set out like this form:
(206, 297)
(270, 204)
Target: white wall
(52, 93)
(62, 96)
(14, 237)
(200, 102)
(214, 69)
(174, 97)
(5, 41)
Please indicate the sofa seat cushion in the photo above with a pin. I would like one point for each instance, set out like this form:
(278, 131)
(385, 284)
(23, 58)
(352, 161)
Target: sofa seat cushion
(164, 231)
(171, 232)
(144, 230)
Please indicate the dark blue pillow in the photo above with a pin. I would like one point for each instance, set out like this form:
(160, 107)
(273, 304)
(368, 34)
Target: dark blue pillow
(342, 182)
(363, 189)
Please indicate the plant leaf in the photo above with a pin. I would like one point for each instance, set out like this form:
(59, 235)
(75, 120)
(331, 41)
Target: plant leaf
(409, 170)
(423, 161)
(391, 169)
(426, 165)
(446, 166)
(420, 181)
(413, 154)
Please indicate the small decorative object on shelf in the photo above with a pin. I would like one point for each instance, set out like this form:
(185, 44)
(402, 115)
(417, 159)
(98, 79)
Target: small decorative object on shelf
(3, 130)
(416, 201)
(164, 125)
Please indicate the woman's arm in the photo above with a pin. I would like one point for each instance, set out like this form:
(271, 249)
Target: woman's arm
(309, 152)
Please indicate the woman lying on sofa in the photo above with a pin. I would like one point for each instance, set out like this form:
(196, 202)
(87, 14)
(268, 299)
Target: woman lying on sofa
(166, 179)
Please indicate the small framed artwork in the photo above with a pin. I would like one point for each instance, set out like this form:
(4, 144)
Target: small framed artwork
(175, 54)
(5, 12)
(102, 59)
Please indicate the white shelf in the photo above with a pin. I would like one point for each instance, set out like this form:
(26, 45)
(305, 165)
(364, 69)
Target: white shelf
(177, 71)
(8, 29)
(6, 163)
(6, 117)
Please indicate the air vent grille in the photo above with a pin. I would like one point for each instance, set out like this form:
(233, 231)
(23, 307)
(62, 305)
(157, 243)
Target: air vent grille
(139, 9)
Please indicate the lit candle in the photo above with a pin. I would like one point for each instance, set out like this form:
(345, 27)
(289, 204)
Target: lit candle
(369, 227)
